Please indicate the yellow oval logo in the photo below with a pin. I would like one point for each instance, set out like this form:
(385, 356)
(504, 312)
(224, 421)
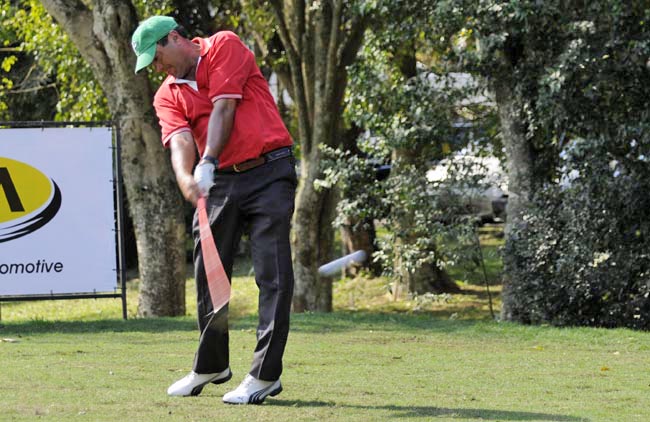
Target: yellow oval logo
(28, 199)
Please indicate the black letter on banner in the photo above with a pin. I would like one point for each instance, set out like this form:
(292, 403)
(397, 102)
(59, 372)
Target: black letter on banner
(10, 191)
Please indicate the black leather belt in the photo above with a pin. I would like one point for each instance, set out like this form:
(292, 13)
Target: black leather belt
(276, 154)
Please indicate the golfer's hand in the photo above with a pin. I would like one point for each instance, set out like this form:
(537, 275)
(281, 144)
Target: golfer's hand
(204, 177)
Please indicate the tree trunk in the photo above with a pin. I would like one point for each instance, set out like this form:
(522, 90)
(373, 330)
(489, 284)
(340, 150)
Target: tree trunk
(319, 42)
(312, 239)
(102, 34)
(519, 154)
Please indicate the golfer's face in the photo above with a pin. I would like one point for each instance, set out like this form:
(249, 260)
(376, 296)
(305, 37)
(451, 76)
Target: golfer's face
(163, 61)
(169, 59)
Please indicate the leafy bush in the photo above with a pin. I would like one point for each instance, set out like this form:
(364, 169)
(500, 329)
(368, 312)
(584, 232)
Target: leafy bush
(583, 255)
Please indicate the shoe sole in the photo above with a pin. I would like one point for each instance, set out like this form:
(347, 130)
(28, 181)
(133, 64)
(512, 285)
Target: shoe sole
(199, 388)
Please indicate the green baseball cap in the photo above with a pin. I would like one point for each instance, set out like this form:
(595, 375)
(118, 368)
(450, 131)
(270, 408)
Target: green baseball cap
(145, 37)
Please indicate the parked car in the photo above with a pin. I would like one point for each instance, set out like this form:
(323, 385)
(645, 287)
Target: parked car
(488, 197)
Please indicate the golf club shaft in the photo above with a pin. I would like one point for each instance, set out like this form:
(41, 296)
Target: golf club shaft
(218, 283)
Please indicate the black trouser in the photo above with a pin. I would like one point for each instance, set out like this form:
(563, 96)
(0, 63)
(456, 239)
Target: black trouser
(261, 200)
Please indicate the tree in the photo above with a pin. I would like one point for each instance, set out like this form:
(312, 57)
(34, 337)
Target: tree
(412, 154)
(509, 44)
(46, 79)
(568, 80)
(410, 118)
(407, 102)
(587, 233)
(101, 31)
(319, 39)
(26, 92)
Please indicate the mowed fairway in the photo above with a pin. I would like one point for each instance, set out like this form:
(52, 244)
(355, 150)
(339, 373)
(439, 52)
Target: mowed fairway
(78, 361)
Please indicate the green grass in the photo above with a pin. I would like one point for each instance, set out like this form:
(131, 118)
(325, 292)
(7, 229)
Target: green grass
(373, 359)
(339, 367)
(471, 272)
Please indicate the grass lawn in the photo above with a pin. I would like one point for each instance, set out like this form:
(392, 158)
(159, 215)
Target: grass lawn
(374, 358)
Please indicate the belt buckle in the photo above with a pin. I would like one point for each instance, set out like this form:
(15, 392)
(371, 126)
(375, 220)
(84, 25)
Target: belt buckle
(234, 167)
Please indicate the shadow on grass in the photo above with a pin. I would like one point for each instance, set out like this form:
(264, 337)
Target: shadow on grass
(345, 321)
(145, 325)
(320, 323)
(432, 411)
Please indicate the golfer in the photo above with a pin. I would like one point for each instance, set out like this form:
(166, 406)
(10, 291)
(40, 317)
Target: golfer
(216, 103)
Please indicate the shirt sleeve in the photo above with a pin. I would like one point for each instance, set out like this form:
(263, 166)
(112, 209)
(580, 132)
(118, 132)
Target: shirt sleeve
(172, 119)
(229, 64)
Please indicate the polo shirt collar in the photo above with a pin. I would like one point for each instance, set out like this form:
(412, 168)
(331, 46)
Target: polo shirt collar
(204, 43)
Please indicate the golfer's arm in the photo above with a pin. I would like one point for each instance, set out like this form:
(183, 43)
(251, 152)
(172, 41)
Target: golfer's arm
(183, 155)
(220, 126)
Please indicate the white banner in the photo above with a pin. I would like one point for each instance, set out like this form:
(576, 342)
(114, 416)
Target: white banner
(57, 221)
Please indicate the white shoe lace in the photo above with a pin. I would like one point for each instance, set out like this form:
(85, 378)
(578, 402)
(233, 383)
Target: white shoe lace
(248, 380)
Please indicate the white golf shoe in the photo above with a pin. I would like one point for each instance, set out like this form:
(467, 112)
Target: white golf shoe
(253, 391)
(192, 384)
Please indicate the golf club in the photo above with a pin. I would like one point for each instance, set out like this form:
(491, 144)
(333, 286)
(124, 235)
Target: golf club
(218, 283)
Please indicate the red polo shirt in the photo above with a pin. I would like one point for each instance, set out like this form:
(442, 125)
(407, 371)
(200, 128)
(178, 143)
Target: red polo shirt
(226, 69)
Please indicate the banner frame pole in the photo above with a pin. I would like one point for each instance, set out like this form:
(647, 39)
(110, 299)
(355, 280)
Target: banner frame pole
(119, 203)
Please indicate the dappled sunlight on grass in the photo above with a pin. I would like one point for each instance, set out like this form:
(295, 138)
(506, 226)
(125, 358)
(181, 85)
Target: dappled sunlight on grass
(364, 293)
(374, 295)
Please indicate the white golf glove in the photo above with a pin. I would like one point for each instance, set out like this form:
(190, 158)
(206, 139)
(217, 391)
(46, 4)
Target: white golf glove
(204, 176)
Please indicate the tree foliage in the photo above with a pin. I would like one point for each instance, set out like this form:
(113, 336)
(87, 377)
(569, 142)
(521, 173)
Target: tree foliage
(409, 105)
(570, 80)
(583, 256)
(54, 63)
(587, 232)
(42, 66)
